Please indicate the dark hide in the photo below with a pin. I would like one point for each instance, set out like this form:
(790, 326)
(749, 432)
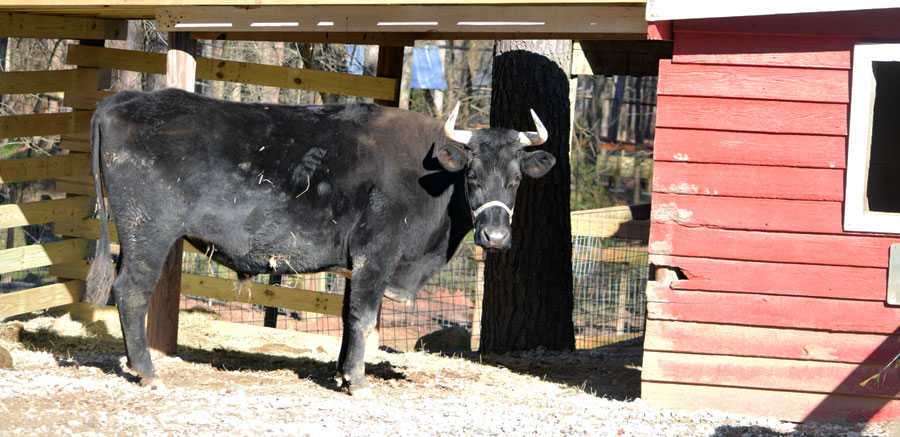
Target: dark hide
(286, 189)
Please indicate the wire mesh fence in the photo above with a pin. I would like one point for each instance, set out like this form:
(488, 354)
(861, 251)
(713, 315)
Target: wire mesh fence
(609, 268)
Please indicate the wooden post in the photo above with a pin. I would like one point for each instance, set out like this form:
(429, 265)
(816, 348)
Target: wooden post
(621, 309)
(162, 317)
(390, 64)
(479, 297)
(636, 196)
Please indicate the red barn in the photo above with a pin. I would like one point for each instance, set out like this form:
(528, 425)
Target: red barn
(776, 202)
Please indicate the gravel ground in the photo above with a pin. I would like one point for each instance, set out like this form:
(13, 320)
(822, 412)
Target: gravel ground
(68, 379)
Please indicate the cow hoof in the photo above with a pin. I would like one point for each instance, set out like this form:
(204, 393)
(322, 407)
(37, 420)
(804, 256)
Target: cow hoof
(361, 392)
(154, 384)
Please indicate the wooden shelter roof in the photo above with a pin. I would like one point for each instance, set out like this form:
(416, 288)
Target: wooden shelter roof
(403, 20)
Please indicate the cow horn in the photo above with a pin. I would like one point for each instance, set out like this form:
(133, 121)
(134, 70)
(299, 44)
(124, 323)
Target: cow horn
(534, 138)
(459, 136)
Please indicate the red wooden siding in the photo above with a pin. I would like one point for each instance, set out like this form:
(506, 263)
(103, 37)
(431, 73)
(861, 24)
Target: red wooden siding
(781, 314)
(752, 148)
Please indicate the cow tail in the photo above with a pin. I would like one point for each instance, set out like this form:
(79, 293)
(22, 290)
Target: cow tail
(103, 273)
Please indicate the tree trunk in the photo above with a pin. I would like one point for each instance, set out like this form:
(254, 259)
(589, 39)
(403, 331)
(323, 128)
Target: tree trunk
(528, 290)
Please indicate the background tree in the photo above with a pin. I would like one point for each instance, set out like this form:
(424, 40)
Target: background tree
(528, 290)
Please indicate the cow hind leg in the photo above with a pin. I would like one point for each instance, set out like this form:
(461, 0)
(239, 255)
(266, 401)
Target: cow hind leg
(360, 312)
(134, 284)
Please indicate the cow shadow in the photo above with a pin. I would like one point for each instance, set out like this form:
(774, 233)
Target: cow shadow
(106, 352)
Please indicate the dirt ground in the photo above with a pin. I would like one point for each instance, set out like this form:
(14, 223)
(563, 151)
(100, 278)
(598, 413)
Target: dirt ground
(69, 379)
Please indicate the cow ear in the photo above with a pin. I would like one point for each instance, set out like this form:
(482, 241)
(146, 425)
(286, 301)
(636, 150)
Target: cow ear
(452, 158)
(537, 164)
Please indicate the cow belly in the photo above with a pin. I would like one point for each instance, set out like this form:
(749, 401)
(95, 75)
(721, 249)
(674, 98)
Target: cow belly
(273, 259)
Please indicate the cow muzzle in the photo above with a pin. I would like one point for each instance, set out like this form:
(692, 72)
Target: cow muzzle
(494, 232)
(494, 237)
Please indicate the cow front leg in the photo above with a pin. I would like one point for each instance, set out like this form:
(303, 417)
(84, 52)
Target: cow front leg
(361, 303)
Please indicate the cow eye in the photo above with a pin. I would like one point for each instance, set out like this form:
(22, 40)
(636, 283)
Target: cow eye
(472, 176)
(515, 181)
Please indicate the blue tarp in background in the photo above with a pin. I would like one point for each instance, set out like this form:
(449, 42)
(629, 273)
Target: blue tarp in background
(427, 70)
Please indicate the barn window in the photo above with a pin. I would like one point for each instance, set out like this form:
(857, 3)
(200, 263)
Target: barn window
(872, 201)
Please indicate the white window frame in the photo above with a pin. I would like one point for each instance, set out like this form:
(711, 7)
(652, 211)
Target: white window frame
(857, 217)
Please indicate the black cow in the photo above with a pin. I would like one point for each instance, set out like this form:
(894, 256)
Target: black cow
(386, 193)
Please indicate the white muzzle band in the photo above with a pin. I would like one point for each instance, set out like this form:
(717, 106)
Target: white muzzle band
(487, 205)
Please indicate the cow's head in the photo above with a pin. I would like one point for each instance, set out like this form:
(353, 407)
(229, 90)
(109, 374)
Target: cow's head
(494, 161)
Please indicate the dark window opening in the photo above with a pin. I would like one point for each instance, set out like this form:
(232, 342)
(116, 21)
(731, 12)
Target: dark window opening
(883, 182)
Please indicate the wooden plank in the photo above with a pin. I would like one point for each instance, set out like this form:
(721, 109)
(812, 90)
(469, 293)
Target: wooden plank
(39, 298)
(75, 144)
(837, 250)
(264, 295)
(728, 147)
(606, 228)
(748, 82)
(764, 342)
(47, 167)
(40, 255)
(44, 212)
(740, 213)
(100, 57)
(762, 50)
(838, 315)
(484, 19)
(782, 405)
(402, 38)
(34, 125)
(233, 71)
(81, 185)
(61, 27)
(25, 82)
(706, 274)
(880, 24)
(748, 181)
(745, 115)
(230, 290)
(85, 98)
(296, 78)
(770, 373)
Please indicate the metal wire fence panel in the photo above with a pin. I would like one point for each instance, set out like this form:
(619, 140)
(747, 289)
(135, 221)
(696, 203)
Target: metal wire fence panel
(609, 269)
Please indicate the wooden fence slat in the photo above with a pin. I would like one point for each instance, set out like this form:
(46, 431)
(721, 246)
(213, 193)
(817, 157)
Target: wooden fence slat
(233, 71)
(49, 167)
(80, 185)
(766, 342)
(61, 27)
(44, 212)
(75, 144)
(750, 82)
(230, 290)
(296, 78)
(39, 298)
(746, 115)
(755, 181)
(607, 228)
(100, 57)
(86, 99)
(751, 148)
(41, 255)
(34, 125)
(24, 82)
(769, 373)
(836, 315)
(811, 280)
(30, 169)
(783, 405)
